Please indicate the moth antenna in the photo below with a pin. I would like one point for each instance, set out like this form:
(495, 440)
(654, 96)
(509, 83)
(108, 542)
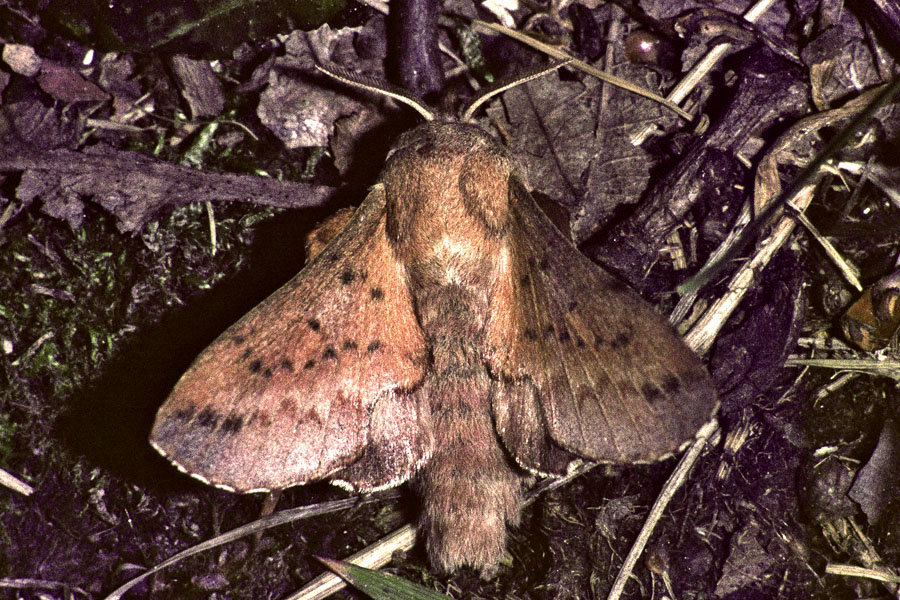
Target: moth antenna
(378, 86)
(507, 83)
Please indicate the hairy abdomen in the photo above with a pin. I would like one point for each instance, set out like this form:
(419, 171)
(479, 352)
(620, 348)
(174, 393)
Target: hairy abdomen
(469, 489)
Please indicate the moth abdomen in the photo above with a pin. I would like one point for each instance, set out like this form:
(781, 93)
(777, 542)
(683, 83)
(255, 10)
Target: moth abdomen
(470, 491)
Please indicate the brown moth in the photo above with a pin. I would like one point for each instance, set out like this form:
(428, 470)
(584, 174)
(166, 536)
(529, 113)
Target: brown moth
(449, 334)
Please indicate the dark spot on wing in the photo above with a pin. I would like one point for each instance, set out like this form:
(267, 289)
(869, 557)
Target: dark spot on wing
(238, 339)
(267, 373)
(287, 405)
(671, 385)
(232, 424)
(525, 280)
(247, 354)
(349, 345)
(185, 414)
(373, 346)
(579, 342)
(347, 277)
(311, 415)
(363, 275)
(376, 293)
(573, 304)
(309, 364)
(329, 354)
(530, 334)
(314, 324)
(264, 419)
(256, 366)
(651, 393)
(621, 340)
(544, 264)
(207, 418)
(287, 364)
(564, 336)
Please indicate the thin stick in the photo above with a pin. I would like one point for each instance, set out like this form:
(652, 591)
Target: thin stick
(374, 556)
(854, 571)
(699, 71)
(672, 485)
(15, 483)
(273, 520)
(582, 66)
(704, 332)
(847, 269)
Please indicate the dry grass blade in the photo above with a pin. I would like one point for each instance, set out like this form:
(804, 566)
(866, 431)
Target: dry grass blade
(672, 485)
(853, 571)
(372, 557)
(15, 484)
(699, 71)
(582, 66)
(870, 366)
(274, 520)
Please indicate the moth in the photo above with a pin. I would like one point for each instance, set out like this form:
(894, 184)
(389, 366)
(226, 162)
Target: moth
(449, 335)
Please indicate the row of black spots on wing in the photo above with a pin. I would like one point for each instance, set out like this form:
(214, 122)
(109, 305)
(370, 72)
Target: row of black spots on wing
(376, 293)
(329, 354)
(256, 367)
(374, 346)
(618, 341)
(185, 414)
(309, 364)
(621, 339)
(671, 385)
(561, 334)
(651, 393)
(208, 418)
(349, 345)
(313, 324)
(238, 339)
(287, 364)
(310, 415)
(259, 416)
(232, 424)
(348, 276)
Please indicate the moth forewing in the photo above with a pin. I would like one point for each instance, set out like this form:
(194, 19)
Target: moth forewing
(285, 395)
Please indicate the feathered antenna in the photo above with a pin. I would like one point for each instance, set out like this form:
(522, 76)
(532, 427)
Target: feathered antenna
(380, 87)
(505, 84)
(397, 93)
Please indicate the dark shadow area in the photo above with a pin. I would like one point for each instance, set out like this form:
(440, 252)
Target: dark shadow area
(110, 419)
